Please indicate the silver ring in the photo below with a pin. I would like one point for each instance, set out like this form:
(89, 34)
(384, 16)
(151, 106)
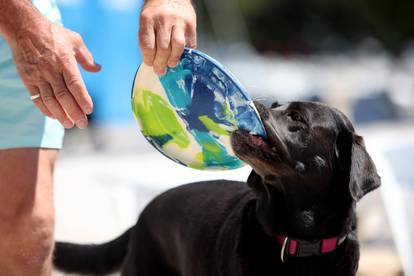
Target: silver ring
(35, 97)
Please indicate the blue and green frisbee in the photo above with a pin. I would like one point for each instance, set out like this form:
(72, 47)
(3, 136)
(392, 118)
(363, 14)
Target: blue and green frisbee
(189, 113)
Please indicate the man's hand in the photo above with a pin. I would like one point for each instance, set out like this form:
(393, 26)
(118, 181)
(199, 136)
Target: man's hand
(46, 56)
(166, 27)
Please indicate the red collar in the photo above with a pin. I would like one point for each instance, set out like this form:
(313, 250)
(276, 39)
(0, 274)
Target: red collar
(302, 248)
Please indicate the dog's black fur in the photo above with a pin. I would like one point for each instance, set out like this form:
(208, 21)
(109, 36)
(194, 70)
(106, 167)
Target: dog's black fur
(307, 177)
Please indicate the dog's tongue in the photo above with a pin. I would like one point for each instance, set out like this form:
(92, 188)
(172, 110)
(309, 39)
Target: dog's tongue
(258, 141)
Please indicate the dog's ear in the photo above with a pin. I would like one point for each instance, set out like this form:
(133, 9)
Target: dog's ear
(353, 156)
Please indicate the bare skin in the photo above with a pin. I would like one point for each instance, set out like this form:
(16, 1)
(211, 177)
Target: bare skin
(46, 56)
(166, 26)
(26, 211)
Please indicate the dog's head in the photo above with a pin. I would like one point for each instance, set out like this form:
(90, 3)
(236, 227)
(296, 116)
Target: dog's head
(312, 163)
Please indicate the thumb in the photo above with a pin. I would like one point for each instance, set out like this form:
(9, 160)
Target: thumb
(85, 59)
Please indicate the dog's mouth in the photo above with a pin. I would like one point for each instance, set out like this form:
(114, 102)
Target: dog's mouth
(247, 146)
(258, 151)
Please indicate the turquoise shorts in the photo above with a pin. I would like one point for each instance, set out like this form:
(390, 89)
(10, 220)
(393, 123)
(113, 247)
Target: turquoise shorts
(22, 125)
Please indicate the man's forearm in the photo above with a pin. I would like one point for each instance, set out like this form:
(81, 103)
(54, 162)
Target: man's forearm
(16, 17)
(149, 1)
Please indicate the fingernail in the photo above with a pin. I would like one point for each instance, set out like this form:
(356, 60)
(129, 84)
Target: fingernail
(67, 124)
(82, 123)
(87, 109)
(97, 64)
(162, 72)
(173, 65)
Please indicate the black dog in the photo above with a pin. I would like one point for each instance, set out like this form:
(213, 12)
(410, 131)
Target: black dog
(295, 217)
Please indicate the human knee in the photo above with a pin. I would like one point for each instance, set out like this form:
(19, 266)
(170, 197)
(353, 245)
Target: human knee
(28, 241)
(26, 211)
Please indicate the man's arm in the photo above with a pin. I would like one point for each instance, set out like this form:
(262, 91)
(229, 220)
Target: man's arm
(166, 27)
(46, 56)
(15, 15)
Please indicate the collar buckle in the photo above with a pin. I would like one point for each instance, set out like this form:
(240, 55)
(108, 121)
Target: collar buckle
(302, 248)
(283, 253)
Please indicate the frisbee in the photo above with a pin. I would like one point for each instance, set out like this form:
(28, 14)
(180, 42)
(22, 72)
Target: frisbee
(189, 113)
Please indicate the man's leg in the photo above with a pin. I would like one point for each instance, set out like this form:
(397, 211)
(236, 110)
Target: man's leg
(26, 212)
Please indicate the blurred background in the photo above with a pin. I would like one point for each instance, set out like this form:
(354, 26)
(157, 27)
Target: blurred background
(355, 55)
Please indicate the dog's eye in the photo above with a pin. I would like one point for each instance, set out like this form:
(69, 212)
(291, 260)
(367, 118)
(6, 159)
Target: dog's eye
(294, 116)
(297, 122)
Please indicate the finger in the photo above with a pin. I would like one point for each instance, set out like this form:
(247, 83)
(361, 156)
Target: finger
(68, 103)
(74, 83)
(34, 91)
(42, 107)
(85, 59)
(53, 106)
(83, 55)
(191, 36)
(177, 46)
(163, 49)
(146, 38)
